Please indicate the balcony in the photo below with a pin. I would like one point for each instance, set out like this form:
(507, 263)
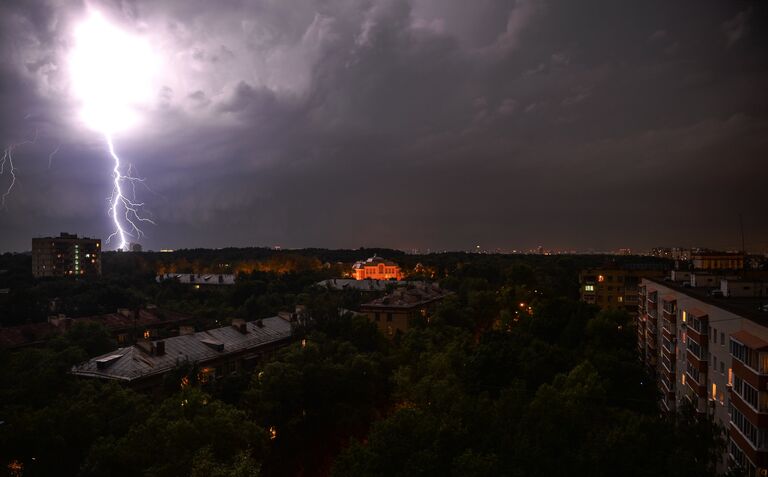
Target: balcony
(668, 365)
(652, 314)
(758, 455)
(700, 390)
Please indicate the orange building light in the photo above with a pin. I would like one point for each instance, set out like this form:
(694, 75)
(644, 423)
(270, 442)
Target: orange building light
(377, 268)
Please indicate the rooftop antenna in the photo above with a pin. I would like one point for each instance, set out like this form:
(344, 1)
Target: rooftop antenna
(741, 225)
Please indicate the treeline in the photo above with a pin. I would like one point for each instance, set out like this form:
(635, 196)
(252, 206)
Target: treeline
(268, 280)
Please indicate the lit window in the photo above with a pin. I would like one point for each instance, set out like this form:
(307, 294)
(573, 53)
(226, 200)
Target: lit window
(600, 278)
(146, 334)
(621, 299)
(589, 288)
(685, 316)
(714, 391)
(682, 379)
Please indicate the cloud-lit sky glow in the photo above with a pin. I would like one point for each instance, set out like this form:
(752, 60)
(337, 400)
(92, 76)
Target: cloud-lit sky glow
(111, 73)
(435, 124)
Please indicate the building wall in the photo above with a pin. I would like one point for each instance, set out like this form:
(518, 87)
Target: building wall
(66, 256)
(718, 261)
(390, 321)
(713, 393)
(613, 288)
(378, 271)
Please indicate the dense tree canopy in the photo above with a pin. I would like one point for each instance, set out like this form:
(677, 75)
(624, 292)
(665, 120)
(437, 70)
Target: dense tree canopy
(511, 376)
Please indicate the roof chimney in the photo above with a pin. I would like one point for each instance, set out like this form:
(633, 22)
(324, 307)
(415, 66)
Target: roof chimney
(239, 325)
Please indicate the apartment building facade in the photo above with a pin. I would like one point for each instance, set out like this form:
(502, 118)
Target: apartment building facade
(66, 255)
(713, 352)
(616, 287)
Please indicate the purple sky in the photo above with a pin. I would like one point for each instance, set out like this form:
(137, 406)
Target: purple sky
(408, 123)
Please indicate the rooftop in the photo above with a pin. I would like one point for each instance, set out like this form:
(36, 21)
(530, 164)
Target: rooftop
(34, 333)
(749, 307)
(133, 362)
(64, 235)
(372, 262)
(366, 284)
(125, 319)
(27, 334)
(199, 278)
(408, 297)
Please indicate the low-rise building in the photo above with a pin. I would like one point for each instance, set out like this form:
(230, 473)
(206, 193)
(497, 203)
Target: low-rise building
(198, 279)
(125, 326)
(709, 260)
(215, 353)
(66, 255)
(711, 350)
(393, 313)
(377, 268)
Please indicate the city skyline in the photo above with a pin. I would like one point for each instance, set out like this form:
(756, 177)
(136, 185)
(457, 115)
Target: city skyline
(403, 124)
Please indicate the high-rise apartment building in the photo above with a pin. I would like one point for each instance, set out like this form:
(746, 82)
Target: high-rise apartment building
(66, 255)
(707, 344)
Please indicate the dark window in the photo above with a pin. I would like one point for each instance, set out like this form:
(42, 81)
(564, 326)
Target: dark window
(389, 316)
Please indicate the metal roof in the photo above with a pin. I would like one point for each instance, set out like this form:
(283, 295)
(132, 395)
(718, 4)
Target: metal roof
(134, 363)
(408, 297)
(367, 284)
(199, 278)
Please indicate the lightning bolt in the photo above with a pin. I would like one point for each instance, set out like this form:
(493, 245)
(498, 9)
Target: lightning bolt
(122, 206)
(50, 156)
(7, 161)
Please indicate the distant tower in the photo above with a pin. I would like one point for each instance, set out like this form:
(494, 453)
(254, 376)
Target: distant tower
(135, 247)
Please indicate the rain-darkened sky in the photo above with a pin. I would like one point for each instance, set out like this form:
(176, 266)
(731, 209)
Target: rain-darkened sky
(440, 124)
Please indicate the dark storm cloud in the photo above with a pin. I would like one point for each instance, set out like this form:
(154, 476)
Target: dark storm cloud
(421, 123)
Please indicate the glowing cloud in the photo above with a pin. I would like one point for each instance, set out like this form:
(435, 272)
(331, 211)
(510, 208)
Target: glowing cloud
(111, 74)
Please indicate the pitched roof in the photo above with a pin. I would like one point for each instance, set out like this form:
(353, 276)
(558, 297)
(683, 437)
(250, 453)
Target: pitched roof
(131, 363)
(408, 297)
(199, 278)
(364, 285)
(373, 262)
(27, 334)
(34, 333)
(145, 318)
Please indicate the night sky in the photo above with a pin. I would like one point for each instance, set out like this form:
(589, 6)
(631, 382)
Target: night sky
(440, 124)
